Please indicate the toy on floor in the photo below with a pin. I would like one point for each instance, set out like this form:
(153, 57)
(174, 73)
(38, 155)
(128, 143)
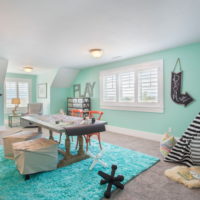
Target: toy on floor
(96, 159)
(111, 180)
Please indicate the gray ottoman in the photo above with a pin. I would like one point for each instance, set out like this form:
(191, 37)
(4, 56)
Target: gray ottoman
(35, 155)
(17, 137)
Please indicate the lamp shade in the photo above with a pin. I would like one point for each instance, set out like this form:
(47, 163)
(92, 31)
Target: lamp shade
(16, 101)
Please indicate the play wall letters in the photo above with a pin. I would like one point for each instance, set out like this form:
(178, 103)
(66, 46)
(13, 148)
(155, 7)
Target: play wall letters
(88, 91)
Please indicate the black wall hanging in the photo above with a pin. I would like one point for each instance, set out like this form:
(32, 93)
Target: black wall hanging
(176, 85)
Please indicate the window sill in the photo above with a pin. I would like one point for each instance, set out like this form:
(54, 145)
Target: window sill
(131, 108)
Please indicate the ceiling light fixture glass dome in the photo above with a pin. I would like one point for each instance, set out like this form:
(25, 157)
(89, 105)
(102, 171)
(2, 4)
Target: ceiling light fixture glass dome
(28, 69)
(96, 53)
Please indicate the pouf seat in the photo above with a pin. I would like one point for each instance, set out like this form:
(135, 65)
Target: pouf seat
(37, 155)
(17, 137)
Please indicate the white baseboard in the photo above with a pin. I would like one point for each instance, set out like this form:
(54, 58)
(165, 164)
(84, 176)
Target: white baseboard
(135, 133)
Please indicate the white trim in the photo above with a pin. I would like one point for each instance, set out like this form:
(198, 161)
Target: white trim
(135, 133)
(135, 106)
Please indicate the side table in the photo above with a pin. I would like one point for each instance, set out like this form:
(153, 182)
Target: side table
(14, 120)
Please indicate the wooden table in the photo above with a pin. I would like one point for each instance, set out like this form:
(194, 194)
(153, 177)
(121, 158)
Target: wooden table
(71, 127)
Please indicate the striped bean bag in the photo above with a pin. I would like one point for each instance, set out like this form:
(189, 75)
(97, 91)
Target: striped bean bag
(195, 150)
(181, 152)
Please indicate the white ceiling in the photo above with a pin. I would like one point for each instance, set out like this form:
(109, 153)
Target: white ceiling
(51, 34)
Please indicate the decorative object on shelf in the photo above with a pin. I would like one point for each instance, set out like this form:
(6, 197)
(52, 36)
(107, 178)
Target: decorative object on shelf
(111, 180)
(62, 112)
(78, 103)
(42, 90)
(176, 84)
(16, 102)
(88, 91)
(96, 159)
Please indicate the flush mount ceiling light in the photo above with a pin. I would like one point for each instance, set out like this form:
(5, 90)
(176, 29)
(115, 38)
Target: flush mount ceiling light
(28, 69)
(96, 53)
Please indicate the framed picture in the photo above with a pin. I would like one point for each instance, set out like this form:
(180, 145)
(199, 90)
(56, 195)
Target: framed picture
(42, 90)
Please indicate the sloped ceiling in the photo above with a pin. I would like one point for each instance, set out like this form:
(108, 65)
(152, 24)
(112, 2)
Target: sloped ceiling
(52, 34)
(64, 77)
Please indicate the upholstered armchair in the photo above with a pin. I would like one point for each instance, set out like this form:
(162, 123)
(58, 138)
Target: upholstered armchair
(32, 109)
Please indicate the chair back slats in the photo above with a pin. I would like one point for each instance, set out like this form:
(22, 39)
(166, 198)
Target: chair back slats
(96, 114)
(77, 113)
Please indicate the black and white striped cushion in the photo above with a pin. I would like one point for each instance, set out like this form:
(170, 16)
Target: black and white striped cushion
(195, 150)
(181, 152)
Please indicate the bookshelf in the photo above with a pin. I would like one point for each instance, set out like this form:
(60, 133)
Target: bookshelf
(78, 103)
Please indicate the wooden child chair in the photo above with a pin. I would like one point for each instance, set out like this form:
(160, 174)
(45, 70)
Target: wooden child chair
(97, 115)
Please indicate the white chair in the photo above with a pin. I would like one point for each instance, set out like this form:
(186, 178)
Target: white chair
(35, 156)
(17, 137)
(33, 109)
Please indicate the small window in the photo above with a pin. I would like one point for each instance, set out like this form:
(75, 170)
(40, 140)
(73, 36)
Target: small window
(17, 88)
(137, 87)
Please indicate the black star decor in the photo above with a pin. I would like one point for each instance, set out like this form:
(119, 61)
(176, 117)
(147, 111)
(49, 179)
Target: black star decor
(111, 180)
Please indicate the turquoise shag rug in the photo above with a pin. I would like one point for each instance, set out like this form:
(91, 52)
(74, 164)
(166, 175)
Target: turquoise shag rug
(73, 182)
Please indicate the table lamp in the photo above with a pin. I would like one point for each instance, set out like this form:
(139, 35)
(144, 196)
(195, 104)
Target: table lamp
(15, 101)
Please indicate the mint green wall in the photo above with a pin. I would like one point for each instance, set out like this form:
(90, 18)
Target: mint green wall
(175, 116)
(3, 70)
(58, 99)
(48, 78)
(26, 76)
(1, 106)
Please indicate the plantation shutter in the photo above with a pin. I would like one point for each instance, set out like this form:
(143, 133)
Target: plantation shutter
(17, 88)
(148, 85)
(11, 92)
(127, 87)
(23, 93)
(110, 88)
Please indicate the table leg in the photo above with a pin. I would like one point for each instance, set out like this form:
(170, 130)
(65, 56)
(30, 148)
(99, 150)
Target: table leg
(39, 130)
(51, 135)
(68, 158)
(80, 142)
(67, 147)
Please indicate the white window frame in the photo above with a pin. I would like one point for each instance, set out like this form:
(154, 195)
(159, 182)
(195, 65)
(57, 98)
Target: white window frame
(135, 106)
(21, 108)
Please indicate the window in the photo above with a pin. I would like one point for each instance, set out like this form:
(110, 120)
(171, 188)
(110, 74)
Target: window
(137, 87)
(17, 88)
(110, 88)
(126, 87)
